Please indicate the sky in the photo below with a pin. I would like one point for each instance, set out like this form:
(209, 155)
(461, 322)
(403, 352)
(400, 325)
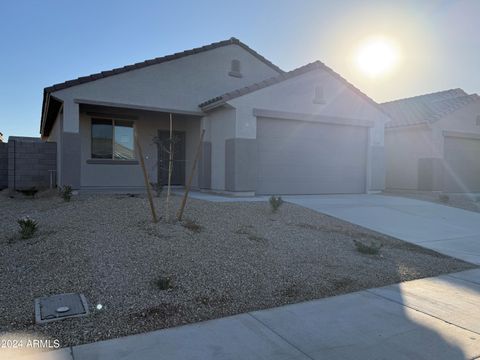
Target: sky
(43, 42)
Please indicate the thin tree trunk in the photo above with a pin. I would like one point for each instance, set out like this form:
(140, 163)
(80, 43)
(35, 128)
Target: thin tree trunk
(170, 169)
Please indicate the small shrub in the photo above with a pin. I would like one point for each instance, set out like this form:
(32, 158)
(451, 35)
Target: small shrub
(164, 283)
(275, 202)
(443, 198)
(371, 248)
(192, 226)
(28, 227)
(66, 192)
(30, 192)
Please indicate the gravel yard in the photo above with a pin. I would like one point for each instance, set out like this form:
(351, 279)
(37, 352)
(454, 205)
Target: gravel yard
(462, 201)
(229, 258)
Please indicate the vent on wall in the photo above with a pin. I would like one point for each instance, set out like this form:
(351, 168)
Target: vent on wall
(235, 70)
(318, 96)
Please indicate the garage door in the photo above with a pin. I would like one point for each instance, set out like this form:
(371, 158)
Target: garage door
(298, 157)
(462, 160)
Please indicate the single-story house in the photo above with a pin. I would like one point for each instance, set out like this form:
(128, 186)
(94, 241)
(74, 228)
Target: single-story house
(432, 142)
(307, 131)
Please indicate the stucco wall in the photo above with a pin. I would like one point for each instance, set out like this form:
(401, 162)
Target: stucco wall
(56, 137)
(296, 95)
(176, 86)
(411, 148)
(98, 176)
(181, 84)
(403, 149)
(220, 126)
(463, 120)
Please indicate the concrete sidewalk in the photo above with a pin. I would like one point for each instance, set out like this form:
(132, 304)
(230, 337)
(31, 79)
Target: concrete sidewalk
(433, 318)
(448, 230)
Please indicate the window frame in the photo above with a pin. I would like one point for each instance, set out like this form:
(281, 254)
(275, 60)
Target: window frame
(134, 160)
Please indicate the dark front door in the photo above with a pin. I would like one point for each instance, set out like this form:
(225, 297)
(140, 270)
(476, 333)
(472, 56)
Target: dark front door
(178, 145)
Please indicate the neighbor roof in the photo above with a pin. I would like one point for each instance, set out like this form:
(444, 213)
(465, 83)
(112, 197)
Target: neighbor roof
(220, 100)
(85, 79)
(426, 108)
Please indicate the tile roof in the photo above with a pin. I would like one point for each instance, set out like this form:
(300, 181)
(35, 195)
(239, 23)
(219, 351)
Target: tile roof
(139, 65)
(159, 60)
(218, 100)
(426, 108)
(263, 84)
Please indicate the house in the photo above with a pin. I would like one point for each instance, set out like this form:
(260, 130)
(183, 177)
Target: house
(433, 142)
(307, 131)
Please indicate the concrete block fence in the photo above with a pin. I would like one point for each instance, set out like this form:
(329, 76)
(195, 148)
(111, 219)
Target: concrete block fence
(27, 162)
(3, 165)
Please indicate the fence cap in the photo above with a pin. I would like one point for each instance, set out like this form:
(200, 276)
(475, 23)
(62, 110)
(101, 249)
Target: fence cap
(25, 138)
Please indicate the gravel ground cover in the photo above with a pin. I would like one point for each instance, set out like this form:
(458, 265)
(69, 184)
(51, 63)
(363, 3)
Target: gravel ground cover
(226, 258)
(462, 201)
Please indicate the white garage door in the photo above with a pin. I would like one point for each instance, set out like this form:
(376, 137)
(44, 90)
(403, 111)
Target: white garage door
(462, 164)
(298, 157)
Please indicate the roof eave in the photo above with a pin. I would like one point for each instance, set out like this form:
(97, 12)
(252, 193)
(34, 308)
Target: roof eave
(48, 118)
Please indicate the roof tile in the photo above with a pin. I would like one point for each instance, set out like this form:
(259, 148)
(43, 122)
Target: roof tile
(426, 108)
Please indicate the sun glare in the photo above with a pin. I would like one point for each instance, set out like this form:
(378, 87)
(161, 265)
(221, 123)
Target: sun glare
(377, 56)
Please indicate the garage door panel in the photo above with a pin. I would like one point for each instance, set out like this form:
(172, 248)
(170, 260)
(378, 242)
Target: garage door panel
(296, 157)
(462, 165)
(306, 170)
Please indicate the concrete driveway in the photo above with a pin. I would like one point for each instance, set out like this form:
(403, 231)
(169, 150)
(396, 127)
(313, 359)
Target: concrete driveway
(450, 231)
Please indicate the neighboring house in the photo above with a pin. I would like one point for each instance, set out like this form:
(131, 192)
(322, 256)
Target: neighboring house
(307, 131)
(433, 142)
(1, 137)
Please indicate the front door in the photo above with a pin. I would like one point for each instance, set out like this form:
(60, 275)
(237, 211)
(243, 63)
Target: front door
(178, 146)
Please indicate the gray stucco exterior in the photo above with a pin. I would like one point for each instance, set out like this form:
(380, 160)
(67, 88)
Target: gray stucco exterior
(430, 174)
(240, 165)
(71, 155)
(347, 156)
(462, 164)
(377, 176)
(436, 155)
(205, 166)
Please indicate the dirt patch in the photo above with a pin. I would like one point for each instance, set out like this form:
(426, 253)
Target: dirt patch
(243, 258)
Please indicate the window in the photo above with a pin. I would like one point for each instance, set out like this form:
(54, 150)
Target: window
(112, 139)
